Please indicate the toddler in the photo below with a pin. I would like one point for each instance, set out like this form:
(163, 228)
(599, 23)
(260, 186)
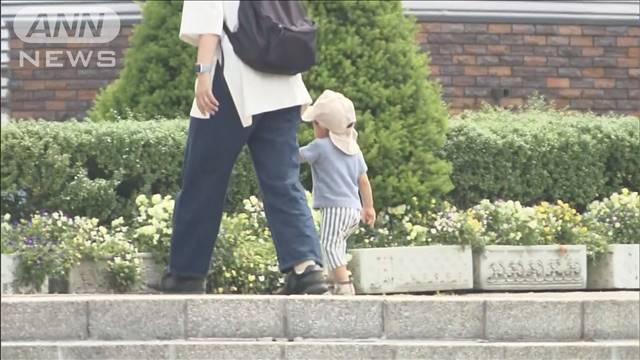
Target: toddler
(339, 172)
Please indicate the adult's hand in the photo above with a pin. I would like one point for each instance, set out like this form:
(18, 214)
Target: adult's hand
(206, 102)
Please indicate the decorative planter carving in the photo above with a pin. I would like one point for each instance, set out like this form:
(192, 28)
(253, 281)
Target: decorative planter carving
(539, 267)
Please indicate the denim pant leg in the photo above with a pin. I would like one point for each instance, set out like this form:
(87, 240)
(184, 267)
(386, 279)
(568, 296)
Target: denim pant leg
(275, 154)
(212, 148)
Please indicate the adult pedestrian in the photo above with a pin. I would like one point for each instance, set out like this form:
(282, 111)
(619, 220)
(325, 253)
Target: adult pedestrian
(234, 105)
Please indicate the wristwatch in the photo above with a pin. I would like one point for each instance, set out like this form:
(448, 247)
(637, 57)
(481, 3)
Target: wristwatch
(202, 68)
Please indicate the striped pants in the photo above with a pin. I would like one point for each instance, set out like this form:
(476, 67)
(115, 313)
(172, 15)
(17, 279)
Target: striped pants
(337, 225)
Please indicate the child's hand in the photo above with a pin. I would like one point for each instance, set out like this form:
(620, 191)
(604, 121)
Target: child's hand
(369, 216)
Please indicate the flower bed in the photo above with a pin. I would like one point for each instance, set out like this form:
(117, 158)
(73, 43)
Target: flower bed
(520, 247)
(117, 258)
(618, 218)
(50, 245)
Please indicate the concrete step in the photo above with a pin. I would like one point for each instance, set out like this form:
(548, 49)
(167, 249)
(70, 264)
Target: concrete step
(573, 316)
(299, 350)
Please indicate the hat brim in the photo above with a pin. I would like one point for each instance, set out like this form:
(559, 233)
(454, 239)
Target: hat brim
(346, 142)
(308, 115)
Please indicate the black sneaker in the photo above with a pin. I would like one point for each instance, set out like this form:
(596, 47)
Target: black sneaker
(174, 284)
(310, 282)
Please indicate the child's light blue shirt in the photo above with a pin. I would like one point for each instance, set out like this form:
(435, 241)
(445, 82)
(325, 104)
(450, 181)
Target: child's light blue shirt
(335, 174)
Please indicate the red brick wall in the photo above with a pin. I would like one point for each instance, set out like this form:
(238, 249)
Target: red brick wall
(585, 67)
(60, 93)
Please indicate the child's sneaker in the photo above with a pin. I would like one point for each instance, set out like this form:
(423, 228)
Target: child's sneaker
(344, 288)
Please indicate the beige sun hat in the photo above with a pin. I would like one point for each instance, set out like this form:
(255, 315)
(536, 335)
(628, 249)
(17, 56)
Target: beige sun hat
(336, 113)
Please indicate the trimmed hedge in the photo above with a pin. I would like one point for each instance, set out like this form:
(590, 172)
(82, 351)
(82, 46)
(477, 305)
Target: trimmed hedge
(97, 170)
(540, 154)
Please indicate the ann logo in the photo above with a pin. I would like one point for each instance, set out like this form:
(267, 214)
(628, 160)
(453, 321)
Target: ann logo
(77, 26)
(66, 24)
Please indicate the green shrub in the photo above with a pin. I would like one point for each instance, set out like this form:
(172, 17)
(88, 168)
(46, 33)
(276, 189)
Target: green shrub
(96, 170)
(540, 154)
(157, 79)
(367, 51)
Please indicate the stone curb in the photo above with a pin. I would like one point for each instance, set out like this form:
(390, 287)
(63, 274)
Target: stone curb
(494, 317)
(441, 350)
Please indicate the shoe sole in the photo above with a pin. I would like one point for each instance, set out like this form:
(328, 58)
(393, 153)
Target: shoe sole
(158, 290)
(316, 290)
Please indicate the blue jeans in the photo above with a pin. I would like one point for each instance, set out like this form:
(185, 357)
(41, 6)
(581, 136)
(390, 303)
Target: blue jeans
(212, 148)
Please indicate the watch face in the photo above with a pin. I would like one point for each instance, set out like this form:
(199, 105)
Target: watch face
(196, 68)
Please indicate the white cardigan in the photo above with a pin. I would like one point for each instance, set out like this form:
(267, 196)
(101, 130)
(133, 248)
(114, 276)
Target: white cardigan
(253, 92)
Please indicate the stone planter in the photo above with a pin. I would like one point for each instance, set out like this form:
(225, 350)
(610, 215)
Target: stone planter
(411, 269)
(539, 267)
(150, 272)
(9, 265)
(91, 277)
(619, 268)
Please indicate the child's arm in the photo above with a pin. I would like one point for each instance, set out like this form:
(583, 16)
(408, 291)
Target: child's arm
(309, 153)
(368, 212)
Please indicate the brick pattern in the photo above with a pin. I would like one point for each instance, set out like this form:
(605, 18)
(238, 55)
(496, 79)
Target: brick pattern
(54, 88)
(584, 67)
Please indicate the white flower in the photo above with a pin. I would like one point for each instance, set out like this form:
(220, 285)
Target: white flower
(7, 217)
(146, 230)
(142, 200)
(398, 210)
(156, 199)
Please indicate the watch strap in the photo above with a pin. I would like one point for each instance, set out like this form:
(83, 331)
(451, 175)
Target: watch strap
(202, 68)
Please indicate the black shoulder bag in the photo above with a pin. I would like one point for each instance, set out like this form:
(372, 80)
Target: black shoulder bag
(274, 37)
